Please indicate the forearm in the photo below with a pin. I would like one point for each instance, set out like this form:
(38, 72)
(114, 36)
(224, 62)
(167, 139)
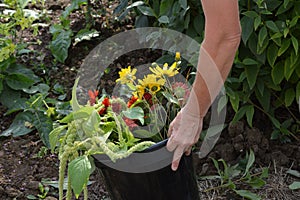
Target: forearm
(222, 37)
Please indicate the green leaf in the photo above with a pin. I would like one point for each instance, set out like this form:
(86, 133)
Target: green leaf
(264, 100)
(256, 182)
(272, 53)
(74, 102)
(60, 45)
(249, 115)
(257, 22)
(122, 5)
(165, 7)
(295, 185)
(74, 5)
(135, 113)
(21, 125)
(240, 113)
(183, 4)
(289, 97)
(79, 171)
(288, 68)
(272, 26)
(85, 34)
(250, 161)
(83, 112)
(146, 11)
(249, 61)
(44, 126)
(293, 173)
(54, 136)
(251, 14)
(19, 81)
(136, 4)
(247, 27)
(164, 19)
(295, 44)
(247, 194)
(251, 74)
(277, 73)
(262, 35)
(285, 45)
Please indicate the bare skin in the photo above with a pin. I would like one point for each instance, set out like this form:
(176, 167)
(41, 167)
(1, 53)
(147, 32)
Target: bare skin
(222, 37)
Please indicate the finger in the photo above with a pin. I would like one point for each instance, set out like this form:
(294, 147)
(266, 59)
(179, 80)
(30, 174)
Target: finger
(170, 130)
(176, 157)
(171, 145)
(188, 151)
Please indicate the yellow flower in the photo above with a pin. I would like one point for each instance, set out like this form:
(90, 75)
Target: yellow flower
(126, 75)
(177, 56)
(166, 70)
(140, 91)
(152, 82)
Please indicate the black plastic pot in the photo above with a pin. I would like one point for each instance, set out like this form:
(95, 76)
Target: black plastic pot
(131, 179)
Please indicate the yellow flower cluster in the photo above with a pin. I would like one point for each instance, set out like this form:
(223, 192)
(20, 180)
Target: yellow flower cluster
(151, 83)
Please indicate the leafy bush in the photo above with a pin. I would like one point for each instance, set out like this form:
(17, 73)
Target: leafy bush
(265, 76)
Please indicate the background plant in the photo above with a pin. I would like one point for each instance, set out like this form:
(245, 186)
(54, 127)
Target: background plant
(241, 174)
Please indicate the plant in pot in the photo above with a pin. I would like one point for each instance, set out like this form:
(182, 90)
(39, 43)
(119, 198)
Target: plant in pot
(110, 130)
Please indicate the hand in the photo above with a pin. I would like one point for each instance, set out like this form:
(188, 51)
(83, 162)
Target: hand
(184, 132)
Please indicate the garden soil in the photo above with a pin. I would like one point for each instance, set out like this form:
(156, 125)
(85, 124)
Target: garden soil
(25, 164)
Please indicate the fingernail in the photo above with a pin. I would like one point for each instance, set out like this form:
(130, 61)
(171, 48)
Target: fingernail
(174, 167)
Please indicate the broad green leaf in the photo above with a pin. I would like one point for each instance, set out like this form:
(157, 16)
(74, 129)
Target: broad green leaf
(264, 100)
(261, 48)
(295, 44)
(247, 194)
(285, 45)
(21, 125)
(60, 45)
(285, 3)
(23, 3)
(240, 113)
(256, 182)
(19, 81)
(79, 171)
(164, 19)
(83, 112)
(44, 126)
(141, 21)
(262, 35)
(294, 173)
(249, 61)
(272, 26)
(252, 73)
(165, 6)
(289, 97)
(54, 136)
(277, 73)
(74, 102)
(247, 28)
(276, 35)
(135, 113)
(295, 185)
(257, 22)
(249, 115)
(272, 54)
(85, 34)
(289, 68)
(251, 14)
(294, 21)
(146, 11)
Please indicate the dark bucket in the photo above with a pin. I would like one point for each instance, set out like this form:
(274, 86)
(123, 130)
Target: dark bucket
(132, 179)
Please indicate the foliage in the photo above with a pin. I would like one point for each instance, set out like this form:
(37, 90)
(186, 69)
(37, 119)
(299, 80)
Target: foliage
(62, 33)
(265, 76)
(23, 93)
(240, 174)
(43, 192)
(296, 184)
(107, 125)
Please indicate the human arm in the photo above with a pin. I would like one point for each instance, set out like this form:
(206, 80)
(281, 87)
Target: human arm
(221, 40)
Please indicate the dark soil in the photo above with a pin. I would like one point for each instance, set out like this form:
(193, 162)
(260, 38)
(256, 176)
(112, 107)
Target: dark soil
(24, 164)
